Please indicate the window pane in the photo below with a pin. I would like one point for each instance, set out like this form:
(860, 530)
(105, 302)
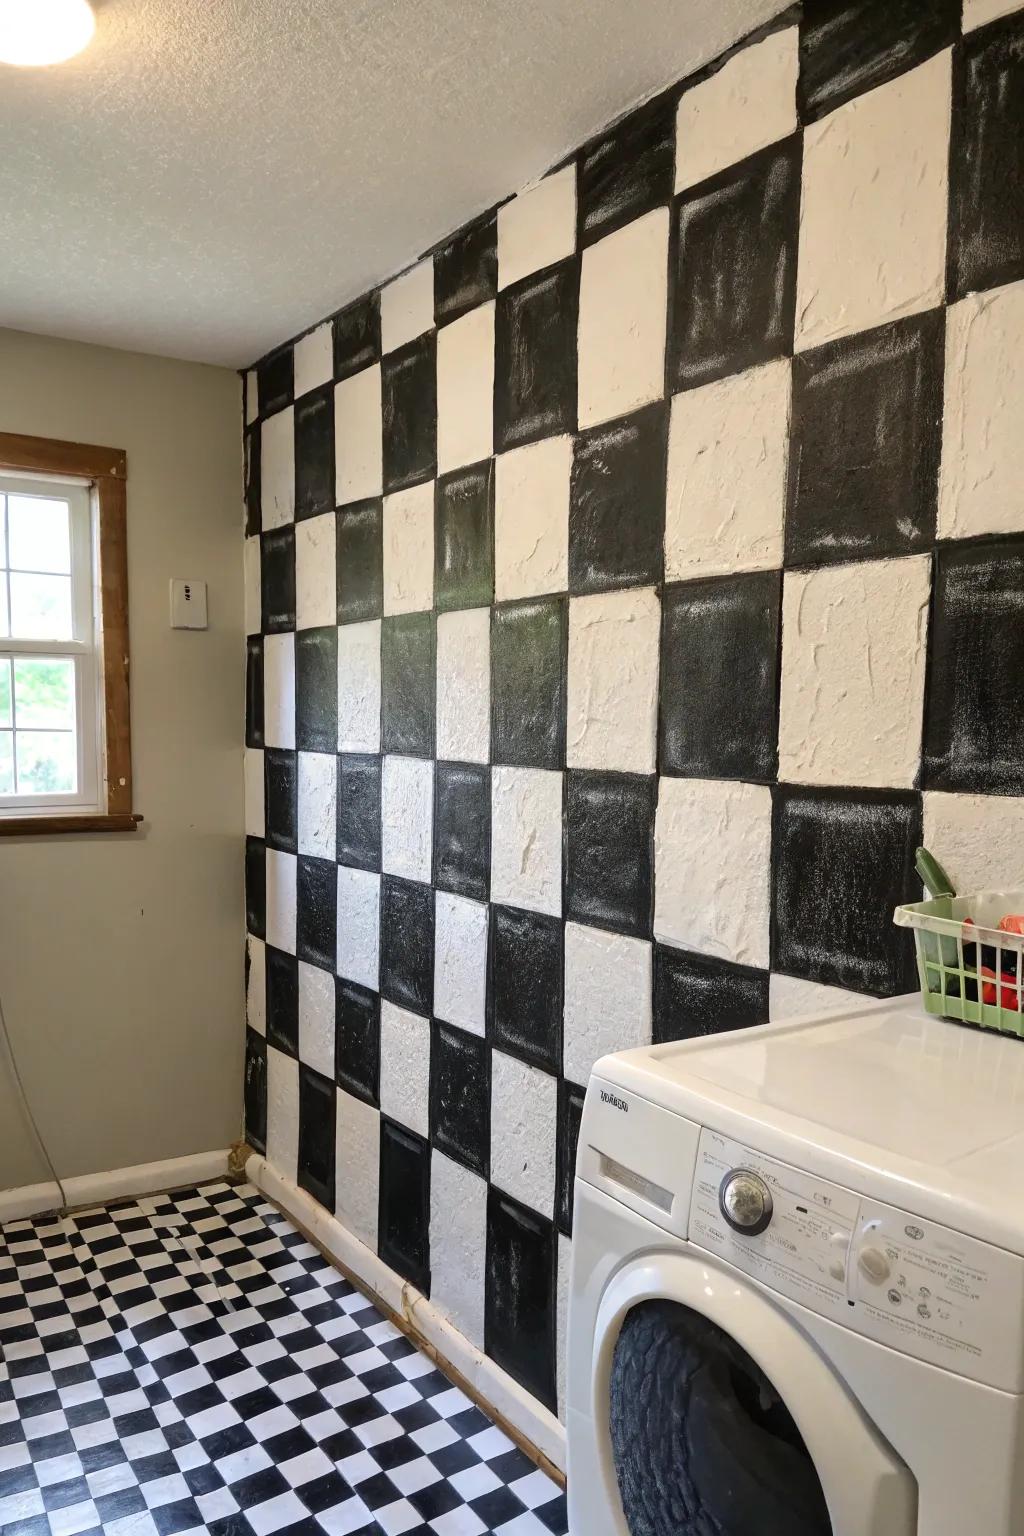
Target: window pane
(3, 532)
(5, 627)
(5, 693)
(6, 763)
(46, 762)
(39, 534)
(44, 692)
(41, 607)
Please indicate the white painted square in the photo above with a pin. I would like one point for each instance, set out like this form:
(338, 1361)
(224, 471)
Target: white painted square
(252, 397)
(978, 838)
(359, 926)
(977, 13)
(607, 997)
(465, 389)
(613, 680)
(526, 839)
(357, 1168)
(314, 359)
(981, 487)
(562, 1318)
(409, 550)
(745, 106)
(728, 459)
(279, 691)
(316, 590)
(464, 685)
(460, 961)
(358, 437)
(281, 869)
(253, 588)
(531, 519)
(712, 861)
(359, 687)
(317, 804)
(407, 816)
(282, 1113)
(256, 985)
(789, 997)
(873, 219)
(623, 309)
(853, 666)
(524, 1132)
(255, 815)
(405, 1067)
(458, 1245)
(407, 305)
(277, 469)
(538, 227)
(316, 1019)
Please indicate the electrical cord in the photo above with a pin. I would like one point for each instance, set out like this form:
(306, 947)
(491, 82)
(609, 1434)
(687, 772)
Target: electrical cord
(30, 1117)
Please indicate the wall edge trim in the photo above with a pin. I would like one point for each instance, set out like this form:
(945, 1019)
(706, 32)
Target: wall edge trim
(113, 1184)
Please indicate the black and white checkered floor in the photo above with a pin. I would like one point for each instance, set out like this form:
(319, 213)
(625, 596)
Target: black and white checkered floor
(190, 1362)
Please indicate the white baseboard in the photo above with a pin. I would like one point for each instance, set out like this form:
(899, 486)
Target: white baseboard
(495, 1387)
(115, 1184)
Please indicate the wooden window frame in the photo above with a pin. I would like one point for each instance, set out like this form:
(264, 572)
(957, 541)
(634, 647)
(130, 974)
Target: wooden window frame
(106, 469)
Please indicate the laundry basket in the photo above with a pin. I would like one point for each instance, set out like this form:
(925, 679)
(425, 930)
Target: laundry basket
(970, 971)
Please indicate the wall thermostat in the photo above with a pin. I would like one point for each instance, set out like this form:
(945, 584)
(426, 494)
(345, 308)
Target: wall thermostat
(188, 603)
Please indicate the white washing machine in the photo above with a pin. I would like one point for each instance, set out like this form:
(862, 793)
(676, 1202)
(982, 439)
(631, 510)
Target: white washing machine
(797, 1292)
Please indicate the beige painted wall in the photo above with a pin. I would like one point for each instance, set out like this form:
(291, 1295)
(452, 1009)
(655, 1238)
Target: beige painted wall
(120, 957)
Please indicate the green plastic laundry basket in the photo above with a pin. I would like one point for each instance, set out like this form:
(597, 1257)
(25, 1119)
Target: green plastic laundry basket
(969, 972)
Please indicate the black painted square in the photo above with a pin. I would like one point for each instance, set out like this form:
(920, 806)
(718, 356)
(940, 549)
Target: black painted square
(466, 269)
(617, 503)
(974, 703)
(409, 406)
(701, 995)
(841, 862)
(359, 811)
(735, 268)
(404, 1241)
(316, 689)
(986, 233)
(256, 1090)
(865, 444)
(277, 580)
(316, 899)
(408, 684)
(282, 1001)
(275, 378)
(357, 336)
(535, 357)
(254, 691)
(464, 538)
(460, 1121)
(519, 1312)
(848, 47)
(525, 985)
(718, 705)
(316, 1136)
(570, 1114)
(360, 546)
(256, 886)
(609, 849)
(462, 829)
(253, 498)
(407, 943)
(280, 798)
(528, 683)
(314, 453)
(357, 1040)
(628, 171)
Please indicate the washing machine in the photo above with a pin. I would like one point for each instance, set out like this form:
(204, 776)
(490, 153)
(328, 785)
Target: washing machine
(797, 1286)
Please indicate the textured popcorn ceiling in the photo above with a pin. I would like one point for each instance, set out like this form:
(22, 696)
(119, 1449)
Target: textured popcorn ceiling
(212, 176)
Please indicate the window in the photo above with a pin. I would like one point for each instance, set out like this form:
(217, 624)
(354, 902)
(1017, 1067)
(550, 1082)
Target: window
(65, 756)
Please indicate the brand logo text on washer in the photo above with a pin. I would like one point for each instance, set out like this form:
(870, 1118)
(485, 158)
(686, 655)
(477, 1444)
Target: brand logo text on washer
(616, 1103)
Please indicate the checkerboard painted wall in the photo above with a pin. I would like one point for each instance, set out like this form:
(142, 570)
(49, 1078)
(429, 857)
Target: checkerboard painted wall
(632, 584)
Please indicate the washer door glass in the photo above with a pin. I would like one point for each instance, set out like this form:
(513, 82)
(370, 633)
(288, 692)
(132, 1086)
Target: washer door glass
(703, 1444)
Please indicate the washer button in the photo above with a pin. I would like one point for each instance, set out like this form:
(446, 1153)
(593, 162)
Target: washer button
(874, 1265)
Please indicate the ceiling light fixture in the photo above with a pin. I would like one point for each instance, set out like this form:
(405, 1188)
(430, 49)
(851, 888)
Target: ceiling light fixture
(34, 32)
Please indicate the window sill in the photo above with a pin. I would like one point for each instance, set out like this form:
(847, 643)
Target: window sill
(89, 821)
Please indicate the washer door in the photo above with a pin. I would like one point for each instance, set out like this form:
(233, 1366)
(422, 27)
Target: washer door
(721, 1417)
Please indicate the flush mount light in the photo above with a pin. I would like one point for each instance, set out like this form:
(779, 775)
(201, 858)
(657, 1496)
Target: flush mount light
(34, 32)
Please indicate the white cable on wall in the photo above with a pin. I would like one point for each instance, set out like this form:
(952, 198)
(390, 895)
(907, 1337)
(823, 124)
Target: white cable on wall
(30, 1117)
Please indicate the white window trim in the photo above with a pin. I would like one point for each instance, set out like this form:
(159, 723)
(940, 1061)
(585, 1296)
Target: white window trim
(83, 648)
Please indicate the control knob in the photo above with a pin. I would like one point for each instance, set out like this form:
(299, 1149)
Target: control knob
(745, 1201)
